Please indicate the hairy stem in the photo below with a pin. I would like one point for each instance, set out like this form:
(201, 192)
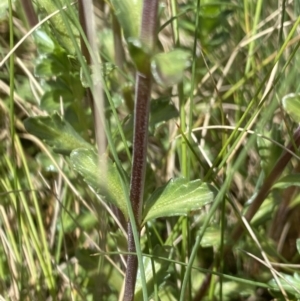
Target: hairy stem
(140, 139)
(141, 117)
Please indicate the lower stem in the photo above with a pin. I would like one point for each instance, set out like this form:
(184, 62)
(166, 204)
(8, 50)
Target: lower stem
(132, 266)
(140, 139)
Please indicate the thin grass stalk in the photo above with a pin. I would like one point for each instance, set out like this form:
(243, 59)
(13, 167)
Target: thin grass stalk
(238, 232)
(43, 251)
(184, 155)
(11, 94)
(250, 60)
(12, 128)
(253, 102)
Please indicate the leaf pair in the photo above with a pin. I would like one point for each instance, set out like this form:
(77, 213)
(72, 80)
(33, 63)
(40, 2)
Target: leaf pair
(177, 197)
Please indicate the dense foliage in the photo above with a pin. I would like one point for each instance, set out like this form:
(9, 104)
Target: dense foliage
(219, 218)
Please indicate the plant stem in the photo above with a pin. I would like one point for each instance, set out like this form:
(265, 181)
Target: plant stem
(140, 140)
(141, 116)
(30, 13)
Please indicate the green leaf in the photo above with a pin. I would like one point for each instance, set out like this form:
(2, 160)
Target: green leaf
(129, 14)
(168, 68)
(291, 104)
(106, 37)
(102, 175)
(53, 64)
(291, 284)
(46, 163)
(58, 26)
(56, 132)
(44, 43)
(178, 197)
(212, 237)
(161, 110)
(139, 54)
(298, 245)
(287, 181)
(265, 212)
(233, 290)
(268, 151)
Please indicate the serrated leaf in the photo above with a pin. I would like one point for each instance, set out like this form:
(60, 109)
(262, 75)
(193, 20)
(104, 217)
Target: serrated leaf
(291, 104)
(178, 197)
(128, 13)
(290, 283)
(56, 132)
(168, 68)
(102, 175)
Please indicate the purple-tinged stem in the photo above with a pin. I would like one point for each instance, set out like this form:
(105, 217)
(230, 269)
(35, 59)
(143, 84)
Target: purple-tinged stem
(140, 139)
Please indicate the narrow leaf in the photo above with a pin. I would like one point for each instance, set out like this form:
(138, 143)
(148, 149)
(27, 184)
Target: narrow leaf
(102, 175)
(56, 132)
(178, 197)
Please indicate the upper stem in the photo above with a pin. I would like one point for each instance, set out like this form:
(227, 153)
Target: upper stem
(140, 140)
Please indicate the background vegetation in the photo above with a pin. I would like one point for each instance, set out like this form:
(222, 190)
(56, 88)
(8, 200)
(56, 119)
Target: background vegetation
(223, 125)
